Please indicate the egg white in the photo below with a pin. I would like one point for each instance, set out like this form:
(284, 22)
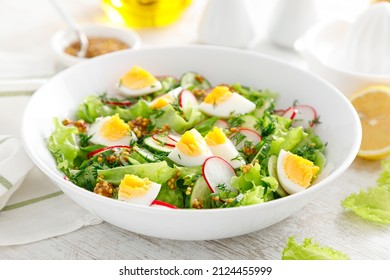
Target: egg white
(228, 152)
(98, 138)
(235, 105)
(182, 159)
(145, 199)
(177, 156)
(138, 92)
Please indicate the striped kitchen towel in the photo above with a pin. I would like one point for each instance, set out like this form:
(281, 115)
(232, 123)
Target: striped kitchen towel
(14, 166)
(37, 209)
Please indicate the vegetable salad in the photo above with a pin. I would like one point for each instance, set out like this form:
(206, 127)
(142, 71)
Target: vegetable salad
(184, 143)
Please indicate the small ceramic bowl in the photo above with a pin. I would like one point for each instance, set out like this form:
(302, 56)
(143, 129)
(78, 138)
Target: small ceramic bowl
(65, 37)
(317, 46)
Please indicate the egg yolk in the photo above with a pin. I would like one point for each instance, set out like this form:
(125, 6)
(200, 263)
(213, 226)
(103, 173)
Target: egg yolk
(218, 95)
(114, 128)
(189, 144)
(161, 102)
(133, 186)
(215, 137)
(299, 170)
(137, 78)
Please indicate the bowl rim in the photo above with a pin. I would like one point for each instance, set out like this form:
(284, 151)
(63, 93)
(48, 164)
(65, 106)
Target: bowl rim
(56, 175)
(303, 45)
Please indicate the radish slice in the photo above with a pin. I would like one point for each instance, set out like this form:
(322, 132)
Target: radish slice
(118, 103)
(217, 171)
(175, 93)
(175, 137)
(306, 116)
(162, 204)
(222, 124)
(164, 140)
(101, 150)
(290, 113)
(187, 98)
(245, 135)
(279, 112)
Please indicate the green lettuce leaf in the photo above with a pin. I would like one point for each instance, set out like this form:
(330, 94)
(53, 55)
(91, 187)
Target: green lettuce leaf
(93, 107)
(63, 145)
(248, 180)
(158, 172)
(168, 115)
(288, 141)
(255, 187)
(384, 177)
(253, 196)
(373, 204)
(139, 109)
(310, 251)
(174, 197)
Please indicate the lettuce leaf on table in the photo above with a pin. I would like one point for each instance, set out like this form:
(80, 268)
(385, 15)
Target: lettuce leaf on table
(310, 250)
(373, 204)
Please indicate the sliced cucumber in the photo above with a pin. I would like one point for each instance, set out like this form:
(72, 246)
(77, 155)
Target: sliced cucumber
(259, 112)
(249, 121)
(200, 195)
(272, 170)
(157, 145)
(145, 154)
(192, 80)
(169, 82)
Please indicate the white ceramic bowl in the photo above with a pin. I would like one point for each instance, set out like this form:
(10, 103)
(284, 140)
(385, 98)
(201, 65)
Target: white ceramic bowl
(317, 45)
(63, 38)
(340, 128)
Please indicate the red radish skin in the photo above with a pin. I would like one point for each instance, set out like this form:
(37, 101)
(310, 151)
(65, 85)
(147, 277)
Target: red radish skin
(222, 124)
(101, 150)
(163, 204)
(250, 135)
(290, 113)
(301, 115)
(174, 137)
(279, 112)
(216, 171)
(171, 142)
(187, 98)
(119, 103)
(306, 116)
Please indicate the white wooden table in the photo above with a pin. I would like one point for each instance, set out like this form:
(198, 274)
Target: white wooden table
(324, 220)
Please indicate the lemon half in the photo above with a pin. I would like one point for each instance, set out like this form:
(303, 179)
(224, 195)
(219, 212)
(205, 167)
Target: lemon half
(372, 104)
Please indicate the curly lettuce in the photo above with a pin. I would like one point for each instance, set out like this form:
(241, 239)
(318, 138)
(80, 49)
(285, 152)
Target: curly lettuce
(373, 204)
(310, 250)
(63, 145)
(93, 107)
(158, 172)
(254, 187)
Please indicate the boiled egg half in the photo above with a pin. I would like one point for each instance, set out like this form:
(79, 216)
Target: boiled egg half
(138, 82)
(190, 150)
(111, 131)
(222, 102)
(295, 173)
(138, 190)
(221, 146)
(168, 98)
